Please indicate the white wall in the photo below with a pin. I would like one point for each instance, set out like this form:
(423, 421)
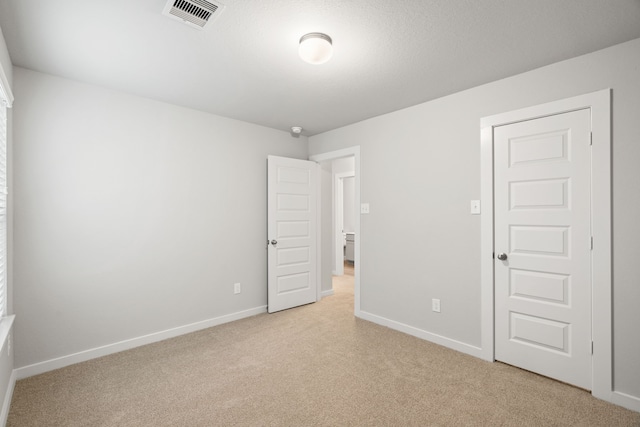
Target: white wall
(348, 203)
(422, 164)
(133, 216)
(346, 164)
(326, 229)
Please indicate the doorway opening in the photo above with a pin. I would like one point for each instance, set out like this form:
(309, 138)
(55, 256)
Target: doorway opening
(344, 210)
(338, 240)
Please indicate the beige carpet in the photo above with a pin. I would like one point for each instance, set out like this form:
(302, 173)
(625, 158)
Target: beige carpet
(311, 366)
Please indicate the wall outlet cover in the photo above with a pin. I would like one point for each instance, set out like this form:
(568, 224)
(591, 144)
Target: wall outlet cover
(475, 207)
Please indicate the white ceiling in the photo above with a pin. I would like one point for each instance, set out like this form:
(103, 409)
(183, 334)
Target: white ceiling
(387, 54)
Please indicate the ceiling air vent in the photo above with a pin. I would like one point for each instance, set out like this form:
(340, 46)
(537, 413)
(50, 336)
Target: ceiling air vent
(195, 13)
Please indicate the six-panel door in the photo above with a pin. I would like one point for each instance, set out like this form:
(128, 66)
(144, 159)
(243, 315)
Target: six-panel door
(542, 224)
(291, 223)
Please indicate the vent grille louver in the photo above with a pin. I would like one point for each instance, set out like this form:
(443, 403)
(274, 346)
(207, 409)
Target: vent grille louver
(196, 13)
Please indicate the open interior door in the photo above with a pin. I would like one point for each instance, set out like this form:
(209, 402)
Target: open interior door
(291, 228)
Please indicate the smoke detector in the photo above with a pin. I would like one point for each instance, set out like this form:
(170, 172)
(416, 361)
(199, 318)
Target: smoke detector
(194, 13)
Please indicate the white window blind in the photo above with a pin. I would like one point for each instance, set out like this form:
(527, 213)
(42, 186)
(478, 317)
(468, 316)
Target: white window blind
(3, 209)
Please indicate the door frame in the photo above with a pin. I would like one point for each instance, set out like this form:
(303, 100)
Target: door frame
(333, 155)
(338, 221)
(599, 103)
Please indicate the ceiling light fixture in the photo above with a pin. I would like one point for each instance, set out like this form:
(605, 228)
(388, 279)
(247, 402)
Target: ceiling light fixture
(296, 130)
(315, 48)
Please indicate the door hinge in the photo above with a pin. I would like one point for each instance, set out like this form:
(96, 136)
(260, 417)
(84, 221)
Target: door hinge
(493, 255)
(591, 347)
(590, 138)
(591, 242)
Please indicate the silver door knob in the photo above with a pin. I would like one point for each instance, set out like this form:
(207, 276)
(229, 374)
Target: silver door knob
(274, 242)
(502, 256)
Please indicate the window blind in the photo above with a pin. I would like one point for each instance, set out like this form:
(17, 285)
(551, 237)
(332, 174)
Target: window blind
(3, 209)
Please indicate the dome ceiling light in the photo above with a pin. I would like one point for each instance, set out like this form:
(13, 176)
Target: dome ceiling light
(315, 48)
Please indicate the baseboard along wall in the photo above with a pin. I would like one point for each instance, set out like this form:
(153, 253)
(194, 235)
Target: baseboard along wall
(618, 398)
(615, 397)
(422, 334)
(6, 405)
(71, 359)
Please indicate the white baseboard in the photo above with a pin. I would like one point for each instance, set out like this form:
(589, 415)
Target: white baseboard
(6, 405)
(625, 400)
(61, 362)
(422, 334)
(327, 293)
(615, 397)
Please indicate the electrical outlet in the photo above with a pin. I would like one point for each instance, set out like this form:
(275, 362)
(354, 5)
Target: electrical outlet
(236, 288)
(435, 305)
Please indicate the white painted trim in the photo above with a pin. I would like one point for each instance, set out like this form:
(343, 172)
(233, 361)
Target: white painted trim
(338, 225)
(422, 334)
(486, 243)
(83, 356)
(599, 104)
(5, 89)
(332, 155)
(625, 400)
(5, 329)
(318, 231)
(601, 255)
(5, 332)
(8, 396)
(327, 293)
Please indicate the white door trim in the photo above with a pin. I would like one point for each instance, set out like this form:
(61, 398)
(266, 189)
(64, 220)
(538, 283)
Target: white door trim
(600, 105)
(338, 221)
(332, 155)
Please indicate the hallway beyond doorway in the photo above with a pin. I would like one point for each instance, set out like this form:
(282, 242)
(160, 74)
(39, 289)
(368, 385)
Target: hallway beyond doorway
(344, 283)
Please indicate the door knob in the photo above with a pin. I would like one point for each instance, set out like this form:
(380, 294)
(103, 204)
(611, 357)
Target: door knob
(274, 242)
(502, 256)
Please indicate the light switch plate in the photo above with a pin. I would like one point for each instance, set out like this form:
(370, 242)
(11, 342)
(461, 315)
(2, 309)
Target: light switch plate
(475, 207)
(364, 208)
